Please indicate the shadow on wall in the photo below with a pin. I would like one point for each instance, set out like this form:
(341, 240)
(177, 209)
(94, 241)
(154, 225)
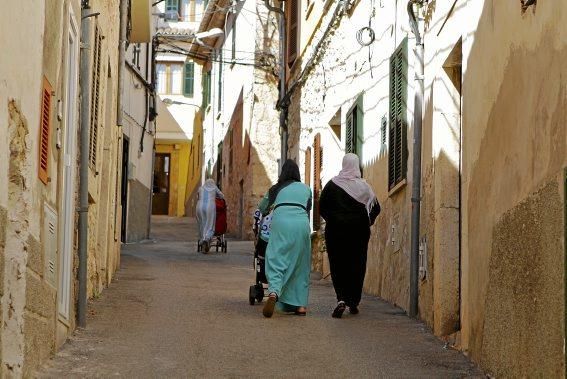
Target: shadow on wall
(195, 166)
(513, 209)
(243, 180)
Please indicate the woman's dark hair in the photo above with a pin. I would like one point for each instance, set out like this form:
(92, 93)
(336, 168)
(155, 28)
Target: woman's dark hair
(290, 173)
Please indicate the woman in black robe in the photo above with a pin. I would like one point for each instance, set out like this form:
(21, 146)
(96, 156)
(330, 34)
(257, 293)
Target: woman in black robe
(349, 208)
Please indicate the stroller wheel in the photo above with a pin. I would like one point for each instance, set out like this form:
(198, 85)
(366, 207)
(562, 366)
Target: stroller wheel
(198, 246)
(259, 293)
(225, 247)
(206, 246)
(252, 295)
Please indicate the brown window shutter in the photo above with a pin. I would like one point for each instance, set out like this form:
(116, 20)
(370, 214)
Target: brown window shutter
(293, 26)
(317, 166)
(44, 130)
(308, 166)
(95, 99)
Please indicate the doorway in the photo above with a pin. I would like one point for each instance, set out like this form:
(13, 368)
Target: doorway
(160, 200)
(67, 204)
(124, 187)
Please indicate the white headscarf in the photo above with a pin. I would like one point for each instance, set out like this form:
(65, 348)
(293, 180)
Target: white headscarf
(350, 180)
(210, 185)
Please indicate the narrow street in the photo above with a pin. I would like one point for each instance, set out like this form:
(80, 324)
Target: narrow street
(172, 312)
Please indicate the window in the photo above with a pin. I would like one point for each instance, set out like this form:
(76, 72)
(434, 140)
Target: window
(170, 78)
(293, 35)
(180, 10)
(397, 151)
(172, 10)
(354, 129)
(335, 124)
(206, 83)
(189, 79)
(193, 10)
(95, 98)
(172, 5)
(44, 128)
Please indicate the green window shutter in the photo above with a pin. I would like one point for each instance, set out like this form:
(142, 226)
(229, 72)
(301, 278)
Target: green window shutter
(354, 128)
(206, 84)
(397, 152)
(205, 5)
(350, 126)
(189, 79)
(359, 136)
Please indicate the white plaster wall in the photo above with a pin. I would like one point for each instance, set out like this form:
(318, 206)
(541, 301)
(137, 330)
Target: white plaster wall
(236, 79)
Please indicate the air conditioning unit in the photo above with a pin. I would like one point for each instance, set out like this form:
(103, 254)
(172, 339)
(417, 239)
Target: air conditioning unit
(171, 16)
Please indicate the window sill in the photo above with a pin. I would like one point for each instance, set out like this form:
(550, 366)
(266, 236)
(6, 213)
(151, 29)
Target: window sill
(398, 187)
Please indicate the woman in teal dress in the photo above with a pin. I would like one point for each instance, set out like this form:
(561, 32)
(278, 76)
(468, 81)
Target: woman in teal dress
(288, 257)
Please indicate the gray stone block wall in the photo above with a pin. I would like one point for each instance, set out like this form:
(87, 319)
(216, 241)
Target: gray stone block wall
(138, 208)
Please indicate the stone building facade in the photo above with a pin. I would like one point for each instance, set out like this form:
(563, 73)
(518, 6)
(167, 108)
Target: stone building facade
(241, 138)
(40, 116)
(179, 122)
(492, 236)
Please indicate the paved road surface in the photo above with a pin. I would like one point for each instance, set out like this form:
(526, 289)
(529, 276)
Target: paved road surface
(172, 312)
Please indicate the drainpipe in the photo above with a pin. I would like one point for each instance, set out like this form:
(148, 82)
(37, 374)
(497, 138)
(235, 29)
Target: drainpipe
(84, 76)
(282, 94)
(416, 179)
(121, 61)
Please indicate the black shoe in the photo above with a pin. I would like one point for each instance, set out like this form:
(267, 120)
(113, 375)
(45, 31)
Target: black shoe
(353, 310)
(339, 310)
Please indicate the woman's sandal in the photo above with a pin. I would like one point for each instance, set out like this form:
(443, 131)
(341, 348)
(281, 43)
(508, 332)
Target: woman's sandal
(270, 305)
(339, 310)
(301, 311)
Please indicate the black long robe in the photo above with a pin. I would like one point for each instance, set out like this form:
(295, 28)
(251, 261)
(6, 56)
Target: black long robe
(347, 233)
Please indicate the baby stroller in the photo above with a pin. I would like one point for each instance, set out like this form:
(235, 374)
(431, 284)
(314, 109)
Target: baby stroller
(218, 240)
(256, 291)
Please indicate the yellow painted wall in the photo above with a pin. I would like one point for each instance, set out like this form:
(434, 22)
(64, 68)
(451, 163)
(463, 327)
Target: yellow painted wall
(194, 165)
(179, 153)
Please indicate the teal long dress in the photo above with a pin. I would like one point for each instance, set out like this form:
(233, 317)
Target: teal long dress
(288, 256)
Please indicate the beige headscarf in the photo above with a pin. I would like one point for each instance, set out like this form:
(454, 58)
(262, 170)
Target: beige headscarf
(350, 180)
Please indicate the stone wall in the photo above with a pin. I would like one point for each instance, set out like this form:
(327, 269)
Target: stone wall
(513, 155)
(341, 76)
(138, 211)
(30, 329)
(253, 122)
(40, 315)
(494, 153)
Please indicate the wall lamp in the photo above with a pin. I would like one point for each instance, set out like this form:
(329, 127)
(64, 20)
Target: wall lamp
(168, 101)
